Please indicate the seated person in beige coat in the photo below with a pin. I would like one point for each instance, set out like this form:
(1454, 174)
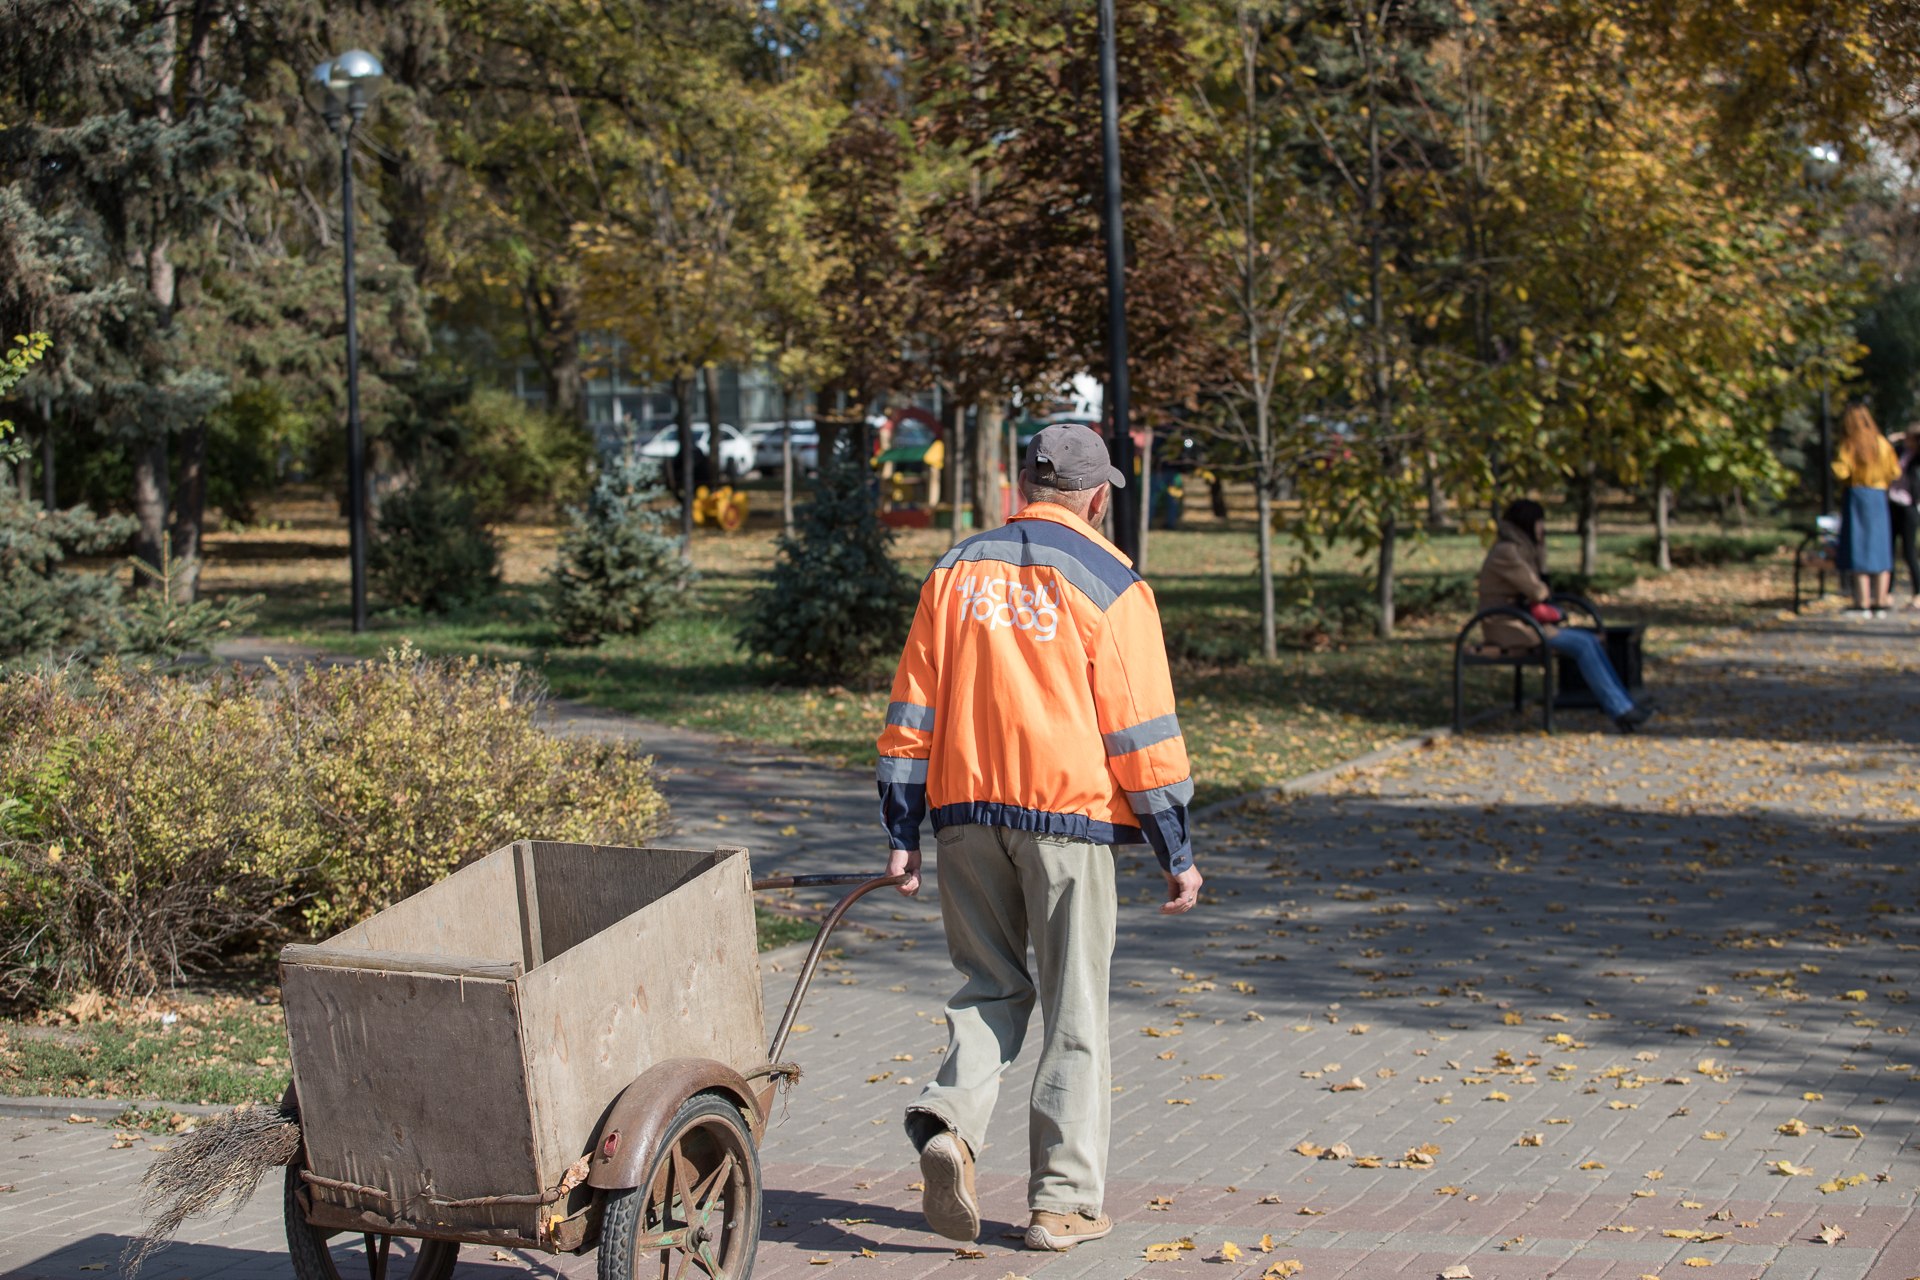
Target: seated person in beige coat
(1514, 573)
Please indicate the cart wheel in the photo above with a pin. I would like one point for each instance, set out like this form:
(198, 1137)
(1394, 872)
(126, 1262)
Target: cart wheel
(700, 1203)
(313, 1260)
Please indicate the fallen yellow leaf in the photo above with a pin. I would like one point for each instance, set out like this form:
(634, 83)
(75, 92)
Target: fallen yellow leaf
(1281, 1270)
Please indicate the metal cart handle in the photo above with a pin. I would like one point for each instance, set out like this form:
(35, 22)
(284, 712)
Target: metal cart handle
(864, 887)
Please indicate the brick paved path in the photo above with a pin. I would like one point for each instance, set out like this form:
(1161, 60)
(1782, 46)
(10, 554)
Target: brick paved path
(1598, 973)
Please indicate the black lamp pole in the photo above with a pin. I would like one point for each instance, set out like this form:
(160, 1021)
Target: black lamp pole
(356, 438)
(1126, 529)
(343, 87)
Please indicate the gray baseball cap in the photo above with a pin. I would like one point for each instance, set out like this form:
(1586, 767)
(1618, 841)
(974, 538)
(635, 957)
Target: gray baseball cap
(1071, 456)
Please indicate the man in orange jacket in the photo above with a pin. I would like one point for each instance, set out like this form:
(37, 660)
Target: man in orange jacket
(1032, 712)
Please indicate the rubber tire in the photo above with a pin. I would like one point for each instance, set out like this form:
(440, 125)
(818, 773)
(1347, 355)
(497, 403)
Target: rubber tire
(307, 1246)
(625, 1209)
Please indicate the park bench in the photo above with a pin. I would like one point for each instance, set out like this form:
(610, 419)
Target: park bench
(1534, 655)
(1817, 551)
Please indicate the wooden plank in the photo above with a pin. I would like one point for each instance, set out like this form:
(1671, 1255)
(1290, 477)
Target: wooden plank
(532, 942)
(675, 978)
(412, 1080)
(401, 962)
(585, 888)
(473, 912)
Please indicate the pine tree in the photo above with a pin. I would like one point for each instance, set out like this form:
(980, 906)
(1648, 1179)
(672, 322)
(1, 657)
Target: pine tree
(836, 600)
(617, 572)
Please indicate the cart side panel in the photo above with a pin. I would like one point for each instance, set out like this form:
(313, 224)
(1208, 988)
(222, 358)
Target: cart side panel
(590, 887)
(675, 979)
(411, 1080)
(476, 911)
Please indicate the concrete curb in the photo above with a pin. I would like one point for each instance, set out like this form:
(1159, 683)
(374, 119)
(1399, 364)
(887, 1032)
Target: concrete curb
(1307, 782)
(44, 1108)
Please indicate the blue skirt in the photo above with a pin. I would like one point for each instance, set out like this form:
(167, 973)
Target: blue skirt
(1866, 532)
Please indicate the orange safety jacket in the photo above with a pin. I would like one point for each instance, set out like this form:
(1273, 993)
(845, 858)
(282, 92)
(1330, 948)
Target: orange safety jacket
(1033, 694)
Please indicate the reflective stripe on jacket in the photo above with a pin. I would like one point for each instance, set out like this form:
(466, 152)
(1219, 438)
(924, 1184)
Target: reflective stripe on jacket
(1033, 694)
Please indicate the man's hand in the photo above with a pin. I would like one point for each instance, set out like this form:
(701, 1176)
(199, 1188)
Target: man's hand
(1183, 891)
(907, 860)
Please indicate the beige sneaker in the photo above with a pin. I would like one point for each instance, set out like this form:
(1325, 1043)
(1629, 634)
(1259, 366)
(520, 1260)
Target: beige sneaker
(1061, 1231)
(947, 1198)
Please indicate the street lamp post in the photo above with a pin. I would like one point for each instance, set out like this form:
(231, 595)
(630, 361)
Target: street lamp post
(1119, 395)
(342, 89)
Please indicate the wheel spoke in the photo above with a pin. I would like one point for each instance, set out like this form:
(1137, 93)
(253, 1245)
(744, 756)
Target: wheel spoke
(711, 1190)
(377, 1255)
(684, 1176)
(648, 1242)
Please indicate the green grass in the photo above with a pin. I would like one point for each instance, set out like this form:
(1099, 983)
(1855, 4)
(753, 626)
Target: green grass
(211, 1054)
(774, 930)
(1334, 692)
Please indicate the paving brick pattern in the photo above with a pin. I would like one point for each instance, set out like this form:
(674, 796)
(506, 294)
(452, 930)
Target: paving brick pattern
(1652, 952)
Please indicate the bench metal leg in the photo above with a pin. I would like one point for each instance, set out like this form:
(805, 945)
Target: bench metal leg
(1519, 685)
(1459, 692)
(1546, 689)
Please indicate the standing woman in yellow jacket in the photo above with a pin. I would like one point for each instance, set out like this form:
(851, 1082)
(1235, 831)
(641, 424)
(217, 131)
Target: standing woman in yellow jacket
(1868, 464)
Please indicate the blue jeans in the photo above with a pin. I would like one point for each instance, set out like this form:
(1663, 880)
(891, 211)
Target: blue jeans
(1589, 649)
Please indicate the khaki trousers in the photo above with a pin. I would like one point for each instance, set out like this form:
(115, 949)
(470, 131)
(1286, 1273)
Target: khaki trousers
(1000, 890)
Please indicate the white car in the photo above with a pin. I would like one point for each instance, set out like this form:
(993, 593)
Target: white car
(736, 451)
(766, 444)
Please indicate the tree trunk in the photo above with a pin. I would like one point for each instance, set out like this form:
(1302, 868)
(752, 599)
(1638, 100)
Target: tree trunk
(1663, 545)
(989, 504)
(1436, 497)
(1014, 501)
(150, 455)
(1144, 499)
(1740, 509)
(711, 375)
(1382, 369)
(1589, 523)
(1383, 597)
(683, 421)
(553, 336)
(150, 502)
(956, 469)
(189, 512)
(23, 476)
(1263, 515)
(826, 424)
(786, 461)
(1217, 496)
(46, 454)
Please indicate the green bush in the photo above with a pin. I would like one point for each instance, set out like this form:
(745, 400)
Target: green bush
(617, 572)
(149, 826)
(836, 600)
(433, 551)
(156, 627)
(514, 456)
(45, 611)
(1711, 549)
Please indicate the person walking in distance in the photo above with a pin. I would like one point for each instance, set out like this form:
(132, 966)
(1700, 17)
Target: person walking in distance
(1032, 716)
(1900, 506)
(1868, 464)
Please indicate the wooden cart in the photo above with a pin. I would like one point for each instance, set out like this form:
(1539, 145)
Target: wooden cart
(557, 1047)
